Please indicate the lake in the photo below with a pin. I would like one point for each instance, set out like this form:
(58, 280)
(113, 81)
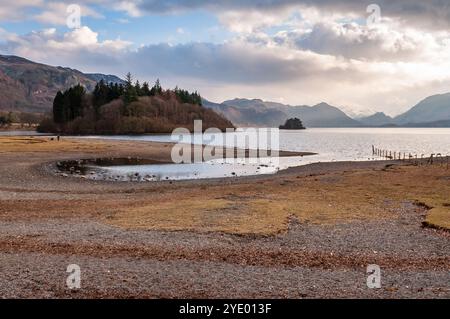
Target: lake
(330, 144)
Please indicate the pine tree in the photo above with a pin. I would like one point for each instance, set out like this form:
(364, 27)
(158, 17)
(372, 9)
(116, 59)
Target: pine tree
(59, 114)
(145, 91)
(130, 94)
(100, 96)
(156, 89)
(138, 88)
(76, 95)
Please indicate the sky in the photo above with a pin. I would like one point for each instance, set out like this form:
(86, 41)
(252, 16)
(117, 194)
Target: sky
(362, 56)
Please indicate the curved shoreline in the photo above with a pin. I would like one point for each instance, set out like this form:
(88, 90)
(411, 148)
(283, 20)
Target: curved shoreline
(306, 232)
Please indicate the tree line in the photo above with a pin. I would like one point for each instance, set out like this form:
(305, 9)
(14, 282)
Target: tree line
(128, 108)
(21, 118)
(6, 119)
(72, 103)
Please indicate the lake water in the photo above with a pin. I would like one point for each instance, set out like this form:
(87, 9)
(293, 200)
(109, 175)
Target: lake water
(346, 144)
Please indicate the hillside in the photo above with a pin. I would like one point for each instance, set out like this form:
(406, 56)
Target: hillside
(108, 78)
(245, 112)
(432, 109)
(27, 86)
(377, 119)
(252, 115)
(322, 115)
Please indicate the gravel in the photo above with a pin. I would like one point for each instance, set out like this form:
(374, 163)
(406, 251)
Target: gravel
(308, 261)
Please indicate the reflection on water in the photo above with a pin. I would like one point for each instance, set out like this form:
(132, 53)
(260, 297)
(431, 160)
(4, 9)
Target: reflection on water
(210, 169)
(118, 170)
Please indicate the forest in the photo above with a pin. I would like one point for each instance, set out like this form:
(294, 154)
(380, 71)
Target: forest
(129, 108)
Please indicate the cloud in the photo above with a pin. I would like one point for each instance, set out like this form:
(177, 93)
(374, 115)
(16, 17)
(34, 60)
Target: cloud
(296, 65)
(386, 42)
(130, 7)
(77, 48)
(433, 14)
(243, 16)
(304, 51)
(55, 13)
(231, 62)
(13, 10)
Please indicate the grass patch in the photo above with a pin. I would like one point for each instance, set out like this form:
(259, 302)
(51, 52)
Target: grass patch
(46, 144)
(265, 208)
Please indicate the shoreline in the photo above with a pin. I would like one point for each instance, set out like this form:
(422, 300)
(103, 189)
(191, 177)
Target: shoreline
(306, 232)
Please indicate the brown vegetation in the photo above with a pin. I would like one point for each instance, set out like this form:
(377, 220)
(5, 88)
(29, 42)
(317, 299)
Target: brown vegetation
(265, 208)
(149, 114)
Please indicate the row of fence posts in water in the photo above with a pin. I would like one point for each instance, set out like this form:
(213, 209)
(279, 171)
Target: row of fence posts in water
(414, 158)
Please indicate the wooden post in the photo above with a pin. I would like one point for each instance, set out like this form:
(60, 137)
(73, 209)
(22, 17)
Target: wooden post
(430, 160)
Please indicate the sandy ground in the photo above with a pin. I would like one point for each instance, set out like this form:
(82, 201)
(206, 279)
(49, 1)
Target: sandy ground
(307, 232)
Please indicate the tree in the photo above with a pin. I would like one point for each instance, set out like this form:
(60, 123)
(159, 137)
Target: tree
(59, 113)
(156, 89)
(138, 88)
(75, 98)
(3, 120)
(292, 124)
(100, 96)
(69, 105)
(29, 118)
(11, 118)
(185, 97)
(145, 89)
(130, 94)
(115, 91)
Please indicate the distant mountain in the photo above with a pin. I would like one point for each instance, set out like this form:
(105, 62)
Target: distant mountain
(322, 115)
(356, 113)
(432, 109)
(377, 119)
(27, 86)
(245, 112)
(248, 115)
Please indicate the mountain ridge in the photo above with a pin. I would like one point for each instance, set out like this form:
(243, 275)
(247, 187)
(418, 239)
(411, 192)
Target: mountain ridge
(29, 86)
(433, 108)
(251, 112)
(433, 111)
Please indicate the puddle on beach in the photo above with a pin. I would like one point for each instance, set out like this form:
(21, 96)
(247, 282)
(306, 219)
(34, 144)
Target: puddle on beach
(142, 170)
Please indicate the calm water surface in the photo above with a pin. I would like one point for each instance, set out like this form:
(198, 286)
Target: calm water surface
(346, 144)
